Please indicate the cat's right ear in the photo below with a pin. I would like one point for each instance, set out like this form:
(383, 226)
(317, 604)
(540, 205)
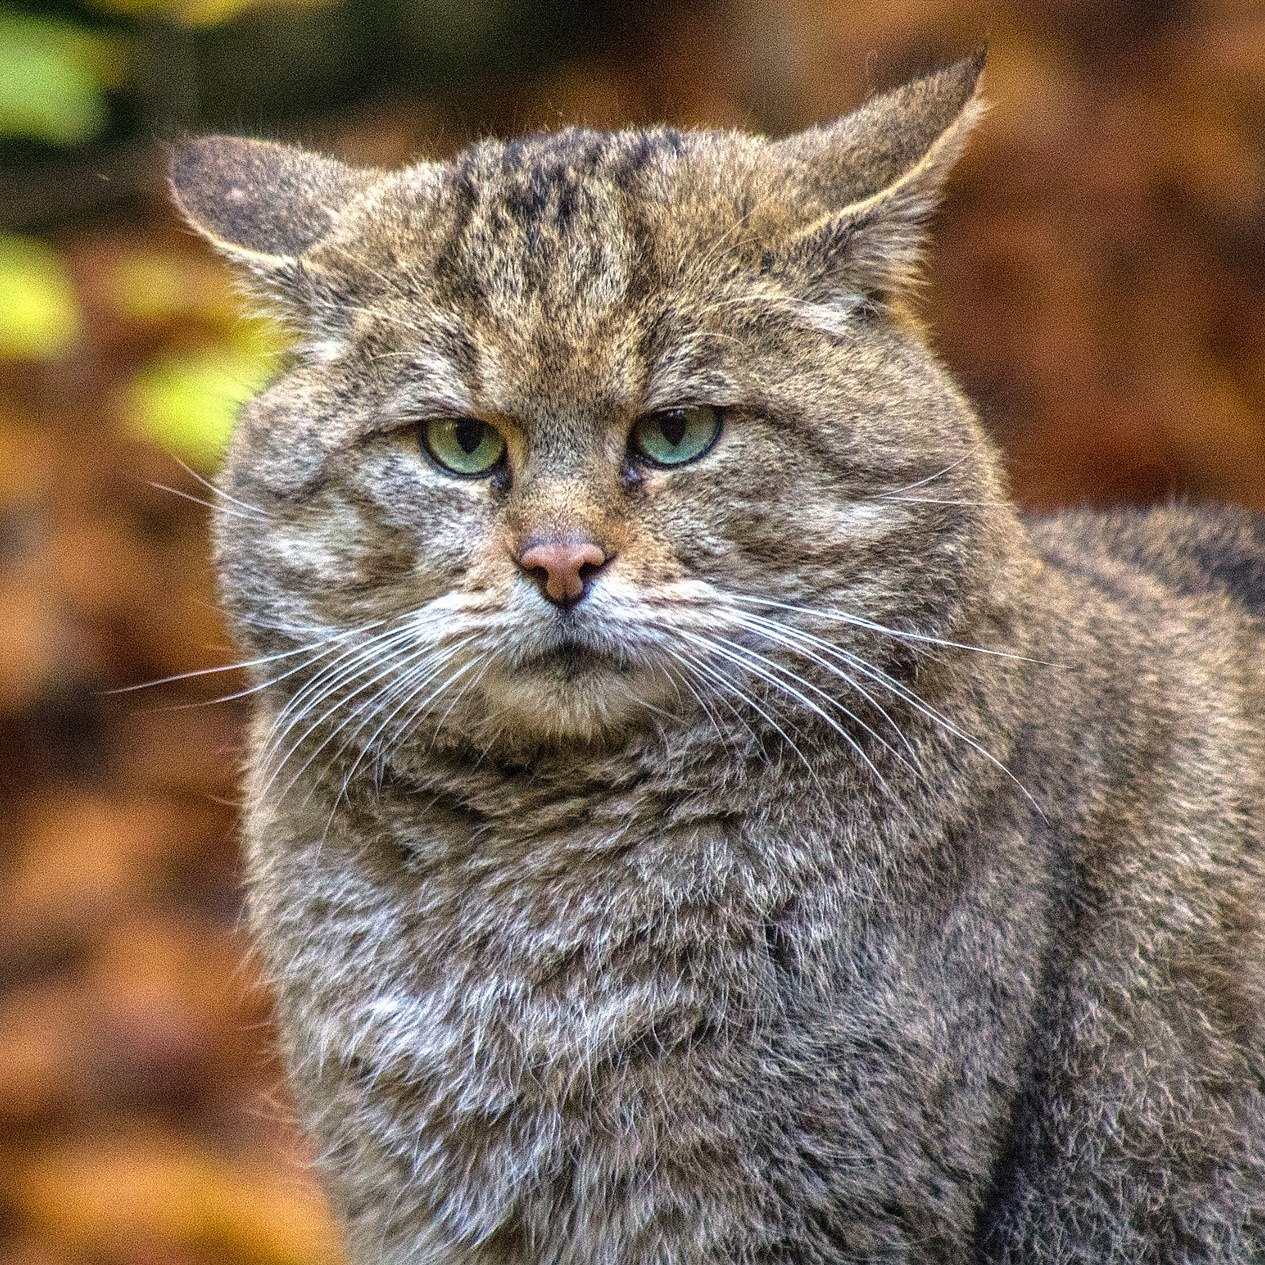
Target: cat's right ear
(858, 192)
(261, 203)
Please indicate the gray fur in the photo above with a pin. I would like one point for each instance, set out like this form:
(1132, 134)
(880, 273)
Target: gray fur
(934, 937)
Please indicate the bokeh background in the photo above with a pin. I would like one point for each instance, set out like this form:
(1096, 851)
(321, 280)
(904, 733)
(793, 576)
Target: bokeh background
(1098, 283)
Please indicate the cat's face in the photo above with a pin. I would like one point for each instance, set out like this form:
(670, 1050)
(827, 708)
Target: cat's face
(581, 419)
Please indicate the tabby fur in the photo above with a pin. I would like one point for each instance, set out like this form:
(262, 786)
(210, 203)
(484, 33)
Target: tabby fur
(860, 872)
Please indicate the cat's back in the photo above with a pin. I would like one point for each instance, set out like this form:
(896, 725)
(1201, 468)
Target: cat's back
(1188, 550)
(1146, 751)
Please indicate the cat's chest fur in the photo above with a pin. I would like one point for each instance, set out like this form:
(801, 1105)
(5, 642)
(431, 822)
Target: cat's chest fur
(528, 1030)
(558, 1036)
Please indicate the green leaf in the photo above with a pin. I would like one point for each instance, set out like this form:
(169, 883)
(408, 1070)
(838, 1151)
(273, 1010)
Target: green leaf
(54, 79)
(39, 314)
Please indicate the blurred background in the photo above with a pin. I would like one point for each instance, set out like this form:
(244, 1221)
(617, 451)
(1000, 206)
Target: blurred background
(1098, 283)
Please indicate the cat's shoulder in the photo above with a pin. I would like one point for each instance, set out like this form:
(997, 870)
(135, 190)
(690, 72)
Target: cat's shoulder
(1190, 549)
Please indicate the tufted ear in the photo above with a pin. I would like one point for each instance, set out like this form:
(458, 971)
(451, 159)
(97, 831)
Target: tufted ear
(261, 203)
(861, 189)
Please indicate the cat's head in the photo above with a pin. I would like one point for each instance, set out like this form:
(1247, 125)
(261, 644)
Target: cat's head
(581, 424)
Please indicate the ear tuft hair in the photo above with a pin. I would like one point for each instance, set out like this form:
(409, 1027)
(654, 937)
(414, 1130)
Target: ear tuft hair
(259, 202)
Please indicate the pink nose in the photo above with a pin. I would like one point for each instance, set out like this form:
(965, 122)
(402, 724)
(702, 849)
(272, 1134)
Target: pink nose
(562, 568)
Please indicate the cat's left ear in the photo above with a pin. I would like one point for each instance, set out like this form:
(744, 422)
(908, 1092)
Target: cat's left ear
(261, 203)
(862, 189)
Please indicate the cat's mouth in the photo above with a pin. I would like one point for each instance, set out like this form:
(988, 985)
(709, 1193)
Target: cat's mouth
(571, 658)
(570, 654)
(572, 676)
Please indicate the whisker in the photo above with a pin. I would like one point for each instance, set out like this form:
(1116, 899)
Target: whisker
(485, 660)
(246, 692)
(919, 704)
(241, 664)
(407, 687)
(790, 637)
(834, 702)
(931, 478)
(215, 488)
(706, 644)
(679, 679)
(428, 672)
(326, 684)
(773, 673)
(345, 662)
(339, 729)
(860, 622)
(926, 500)
(728, 687)
(198, 500)
(913, 699)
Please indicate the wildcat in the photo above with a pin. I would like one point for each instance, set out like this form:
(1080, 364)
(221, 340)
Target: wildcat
(691, 816)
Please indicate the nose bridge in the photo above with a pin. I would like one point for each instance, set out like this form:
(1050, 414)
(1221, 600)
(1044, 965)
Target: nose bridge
(560, 511)
(565, 494)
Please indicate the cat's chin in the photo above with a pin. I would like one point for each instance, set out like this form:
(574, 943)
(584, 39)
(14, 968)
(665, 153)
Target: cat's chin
(572, 694)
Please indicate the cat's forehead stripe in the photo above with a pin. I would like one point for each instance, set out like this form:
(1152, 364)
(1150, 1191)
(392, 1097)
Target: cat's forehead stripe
(553, 212)
(574, 152)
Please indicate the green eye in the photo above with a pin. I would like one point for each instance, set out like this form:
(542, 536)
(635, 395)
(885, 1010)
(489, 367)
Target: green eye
(676, 435)
(463, 445)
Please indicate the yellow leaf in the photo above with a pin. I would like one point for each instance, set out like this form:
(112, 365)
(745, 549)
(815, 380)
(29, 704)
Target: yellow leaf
(39, 314)
(187, 401)
(152, 286)
(157, 1193)
(197, 12)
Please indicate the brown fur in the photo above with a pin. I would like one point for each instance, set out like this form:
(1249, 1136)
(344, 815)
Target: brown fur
(857, 873)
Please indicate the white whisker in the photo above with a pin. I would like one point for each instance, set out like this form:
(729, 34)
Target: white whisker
(931, 478)
(858, 621)
(774, 674)
(369, 707)
(910, 697)
(792, 639)
(926, 500)
(317, 646)
(723, 683)
(219, 491)
(345, 669)
(427, 671)
(700, 698)
(199, 500)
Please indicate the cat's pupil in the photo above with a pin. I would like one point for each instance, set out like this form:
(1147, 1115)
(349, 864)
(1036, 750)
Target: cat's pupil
(673, 425)
(468, 434)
